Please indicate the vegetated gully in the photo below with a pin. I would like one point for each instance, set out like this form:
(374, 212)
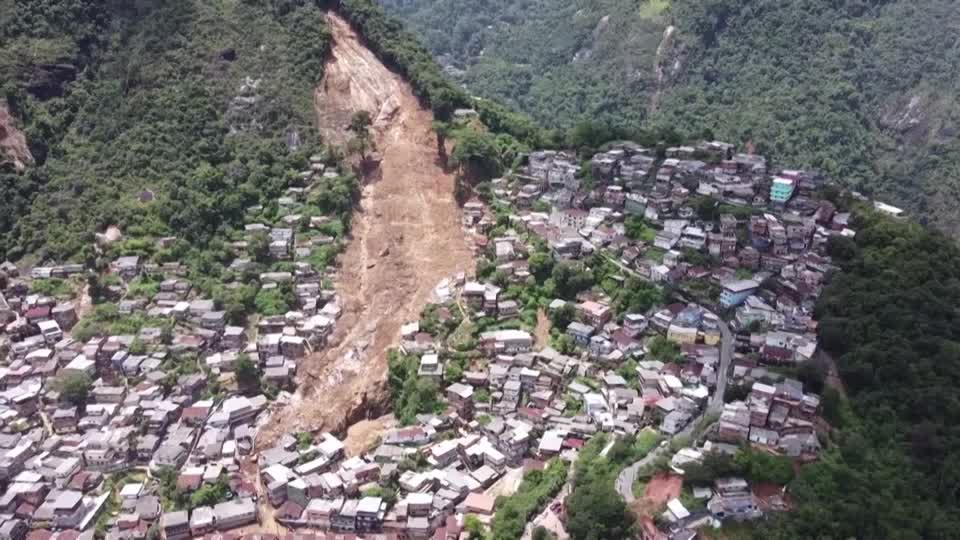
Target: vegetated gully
(406, 238)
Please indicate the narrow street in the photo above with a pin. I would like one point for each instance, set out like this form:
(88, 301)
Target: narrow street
(628, 476)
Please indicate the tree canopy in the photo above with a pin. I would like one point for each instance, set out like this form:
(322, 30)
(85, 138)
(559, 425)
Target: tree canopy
(594, 508)
(74, 387)
(890, 321)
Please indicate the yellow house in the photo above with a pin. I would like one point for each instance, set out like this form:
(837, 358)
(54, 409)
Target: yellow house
(711, 337)
(682, 334)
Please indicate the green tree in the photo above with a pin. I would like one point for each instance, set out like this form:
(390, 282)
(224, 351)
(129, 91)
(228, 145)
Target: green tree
(304, 440)
(453, 372)
(259, 247)
(362, 141)
(274, 301)
(564, 344)
(248, 375)
(474, 527)
(736, 392)
(541, 533)
(570, 279)
(707, 209)
(541, 265)
(589, 135)
(535, 491)
(210, 494)
(74, 388)
(476, 154)
(389, 495)
(442, 131)
(663, 349)
(594, 509)
(764, 467)
(410, 394)
(563, 316)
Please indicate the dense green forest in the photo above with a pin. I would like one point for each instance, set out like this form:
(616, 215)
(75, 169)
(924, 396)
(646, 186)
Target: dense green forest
(860, 89)
(890, 321)
(172, 119)
(598, 67)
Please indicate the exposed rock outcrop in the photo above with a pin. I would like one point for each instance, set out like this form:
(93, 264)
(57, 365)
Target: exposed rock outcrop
(668, 64)
(586, 52)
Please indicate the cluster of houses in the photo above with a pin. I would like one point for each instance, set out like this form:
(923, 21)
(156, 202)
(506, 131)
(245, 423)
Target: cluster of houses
(152, 383)
(709, 219)
(778, 417)
(165, 398)
(412, 485)
(142, 409)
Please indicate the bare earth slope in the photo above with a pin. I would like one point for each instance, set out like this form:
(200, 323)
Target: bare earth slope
(13, 144)
(406, 239)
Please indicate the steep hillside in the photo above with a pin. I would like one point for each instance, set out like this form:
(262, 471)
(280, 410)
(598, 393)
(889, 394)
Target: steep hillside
(13, 144)
(144, 115)
(860, 89)
(600, 66)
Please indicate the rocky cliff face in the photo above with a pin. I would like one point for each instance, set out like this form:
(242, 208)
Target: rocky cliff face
(918, 118)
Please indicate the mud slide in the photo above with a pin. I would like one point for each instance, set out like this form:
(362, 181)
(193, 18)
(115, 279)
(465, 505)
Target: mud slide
(406, 239)
(13, 144)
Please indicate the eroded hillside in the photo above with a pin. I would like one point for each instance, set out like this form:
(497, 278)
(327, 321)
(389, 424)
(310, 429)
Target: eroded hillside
(406, 239)
(13, 144)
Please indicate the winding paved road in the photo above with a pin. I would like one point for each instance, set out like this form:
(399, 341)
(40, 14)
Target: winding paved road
(628, 476)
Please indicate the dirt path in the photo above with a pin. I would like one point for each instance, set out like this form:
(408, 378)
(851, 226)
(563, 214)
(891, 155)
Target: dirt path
(542, 332)
(659, 490)
(406, 238)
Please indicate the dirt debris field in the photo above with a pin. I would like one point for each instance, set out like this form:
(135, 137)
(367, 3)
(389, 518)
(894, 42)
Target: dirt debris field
(367, 434)
(406, 238)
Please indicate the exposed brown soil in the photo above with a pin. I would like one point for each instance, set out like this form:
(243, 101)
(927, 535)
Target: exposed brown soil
(13, 144)
(365, 434)
(542, 332)
(267, 523)
(660, 489)
(406, 238)
(833, 374)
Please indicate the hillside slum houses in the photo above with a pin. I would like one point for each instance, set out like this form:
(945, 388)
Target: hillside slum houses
(741, 247)
(109, 374)
(706, 220)
(726, 233)
(516, 405)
